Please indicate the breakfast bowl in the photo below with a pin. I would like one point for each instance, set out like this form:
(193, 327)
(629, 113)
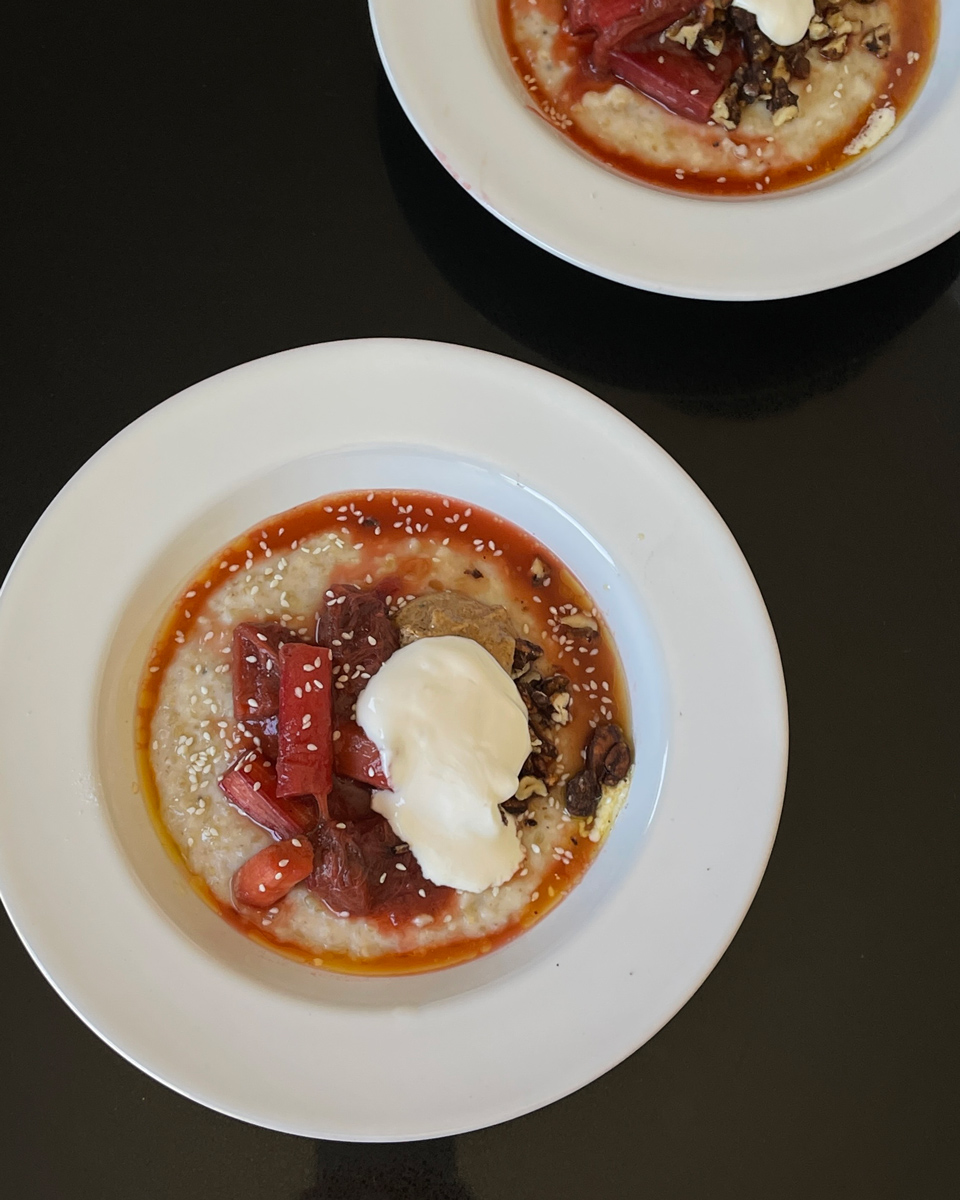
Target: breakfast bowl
(838, 171)
(117, 922)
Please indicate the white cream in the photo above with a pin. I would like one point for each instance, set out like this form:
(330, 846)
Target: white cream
(783, 21)
(452, 733)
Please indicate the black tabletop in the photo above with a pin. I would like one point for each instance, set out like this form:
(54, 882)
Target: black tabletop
(196, 185)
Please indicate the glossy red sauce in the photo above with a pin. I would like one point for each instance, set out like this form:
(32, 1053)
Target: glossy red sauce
(917, 22)
(381, 523)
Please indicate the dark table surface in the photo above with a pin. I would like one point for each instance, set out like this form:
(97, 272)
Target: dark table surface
(194, 186)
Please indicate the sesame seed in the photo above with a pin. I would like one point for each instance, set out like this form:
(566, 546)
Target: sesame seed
(400, 866)
(284, 862)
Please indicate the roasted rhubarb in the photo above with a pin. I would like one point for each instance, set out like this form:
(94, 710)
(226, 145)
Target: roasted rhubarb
(304, 727)
(356, 626)
(673, 76)
(356, 757)
(251, 786)
(266, 878)
(361, 869)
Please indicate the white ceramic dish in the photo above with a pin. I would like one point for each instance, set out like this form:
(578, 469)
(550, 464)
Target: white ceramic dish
(111, 920)
(447, 64)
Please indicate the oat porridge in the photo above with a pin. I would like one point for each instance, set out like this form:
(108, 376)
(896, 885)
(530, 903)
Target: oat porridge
(722, 98)
(384, 732)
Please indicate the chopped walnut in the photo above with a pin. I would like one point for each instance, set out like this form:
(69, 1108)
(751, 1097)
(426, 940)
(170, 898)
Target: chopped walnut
(608, 755)
(582, 626)
(783, 103)
(539, 572)
(685, 32)
(713, 39)
(835, 49)
(782, 115)
(727, 110)
(877, 40)
(583, 794)
(561, 708)
(525, 653)
(797, 61)
(839, 22)
(543, 763)
(742, 19)
(759, 47)
(819, 30)
(756, 82)
(529, 786)
(781, 70)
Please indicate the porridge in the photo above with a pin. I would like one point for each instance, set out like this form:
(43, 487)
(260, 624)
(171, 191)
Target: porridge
(722, 98)
(384, 732)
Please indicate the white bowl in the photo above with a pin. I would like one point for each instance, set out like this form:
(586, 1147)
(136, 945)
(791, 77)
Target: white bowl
(449, 68)
(114, 923)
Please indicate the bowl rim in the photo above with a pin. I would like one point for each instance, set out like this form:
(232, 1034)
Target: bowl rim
(718, 812)
(456, 87)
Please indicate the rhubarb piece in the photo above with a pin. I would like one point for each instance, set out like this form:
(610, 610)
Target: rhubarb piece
(349, 800)
(644, 19)
(585, 15)
(305, 723)
(251, 786)
(262, 732)
(356, 757)
(256, 668)
(674, 77)
(362, 869)
(356, 626)
(266, 878)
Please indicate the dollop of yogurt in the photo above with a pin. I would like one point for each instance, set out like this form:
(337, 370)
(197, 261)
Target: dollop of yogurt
(452, 733)
(783, 21)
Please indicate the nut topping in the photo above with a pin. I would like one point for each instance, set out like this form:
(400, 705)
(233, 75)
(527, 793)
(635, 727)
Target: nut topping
(877, 40)
(581, 625)
(529, 786)
(525, 653)
(835, 49)
(583, 794)
(608, 755)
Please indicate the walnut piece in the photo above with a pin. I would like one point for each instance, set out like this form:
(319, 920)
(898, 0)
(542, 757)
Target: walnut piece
(877, 40)
(524, 655)
(529, 786)
(835, 49)
(685, 32)
(539, 572)
(608, 755)
(581, 625)
(727, 110)
(583, 794)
